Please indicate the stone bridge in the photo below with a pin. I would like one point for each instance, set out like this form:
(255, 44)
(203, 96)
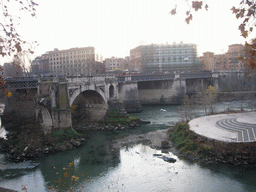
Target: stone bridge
(92, 96)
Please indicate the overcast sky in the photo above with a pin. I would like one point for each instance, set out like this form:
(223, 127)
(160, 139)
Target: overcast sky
(113, 27)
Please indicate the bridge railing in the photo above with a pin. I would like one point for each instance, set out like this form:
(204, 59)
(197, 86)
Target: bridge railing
(90, 79)
(21, 84)
(145, 77)
(196, 75)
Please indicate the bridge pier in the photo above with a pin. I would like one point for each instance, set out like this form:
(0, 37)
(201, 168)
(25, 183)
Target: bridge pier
(129, 95)
(53, 112)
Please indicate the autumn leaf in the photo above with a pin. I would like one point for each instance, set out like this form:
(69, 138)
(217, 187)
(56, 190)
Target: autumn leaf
(234, 10)
(244, 34)
(241, 27)
(9, 94)
(197, 5)
(188, 19)
(173, 11)
(66, 174)
(24, 188)
(76, 178)
(71, 164)
(206, 7)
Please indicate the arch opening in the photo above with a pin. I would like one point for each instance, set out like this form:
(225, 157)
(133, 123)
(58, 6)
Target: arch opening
(111, 91)
(88, 106)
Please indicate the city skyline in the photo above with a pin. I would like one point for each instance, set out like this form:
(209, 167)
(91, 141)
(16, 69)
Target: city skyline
(113, 28)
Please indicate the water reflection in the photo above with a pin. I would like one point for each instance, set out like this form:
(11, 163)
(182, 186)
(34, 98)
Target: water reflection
(3, 132)
(132, 168)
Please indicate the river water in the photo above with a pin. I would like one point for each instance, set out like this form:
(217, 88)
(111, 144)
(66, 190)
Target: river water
(100, 167)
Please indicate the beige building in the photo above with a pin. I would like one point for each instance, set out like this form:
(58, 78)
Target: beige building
(228, 61)
(207, 61)
(74, 61)
(114, 64)
(234, 52)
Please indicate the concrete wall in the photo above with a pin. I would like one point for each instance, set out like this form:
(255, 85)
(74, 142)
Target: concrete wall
(128, 94)
(195, 85)
(161, 92)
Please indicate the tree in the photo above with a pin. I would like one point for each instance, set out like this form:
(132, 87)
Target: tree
(11, 43)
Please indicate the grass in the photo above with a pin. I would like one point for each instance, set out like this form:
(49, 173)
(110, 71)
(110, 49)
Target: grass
(188, 142)
(114, 117)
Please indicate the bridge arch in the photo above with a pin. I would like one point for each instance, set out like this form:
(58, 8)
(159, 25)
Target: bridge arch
(87, 106)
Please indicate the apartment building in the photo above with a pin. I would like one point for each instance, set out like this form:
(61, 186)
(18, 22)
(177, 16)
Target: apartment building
(228, 61)
(74, 61)
(234, 52)
(40, 65)
(114, 64)
(160, 58)
(207, 61)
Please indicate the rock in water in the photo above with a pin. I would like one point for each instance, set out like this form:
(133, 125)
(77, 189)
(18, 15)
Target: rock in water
(169, 159)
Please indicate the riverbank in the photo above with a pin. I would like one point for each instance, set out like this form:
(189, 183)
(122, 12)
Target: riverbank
(208, 151)
(29, 142)
(156, 140)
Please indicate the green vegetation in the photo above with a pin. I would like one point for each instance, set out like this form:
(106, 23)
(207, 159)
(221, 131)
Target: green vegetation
(188, 142)
(66, 134)
(115, 117)
(28, 140)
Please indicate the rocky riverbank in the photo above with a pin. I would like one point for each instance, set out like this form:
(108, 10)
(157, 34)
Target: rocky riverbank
(110, 127)
(30, 152)
(29, 142)
(208, 151)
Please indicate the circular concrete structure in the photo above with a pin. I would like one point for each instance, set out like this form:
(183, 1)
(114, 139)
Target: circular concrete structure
(235, 127)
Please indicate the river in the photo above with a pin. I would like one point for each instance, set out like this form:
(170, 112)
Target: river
(97, 166)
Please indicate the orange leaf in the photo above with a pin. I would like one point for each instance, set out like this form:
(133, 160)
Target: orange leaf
(66, 174)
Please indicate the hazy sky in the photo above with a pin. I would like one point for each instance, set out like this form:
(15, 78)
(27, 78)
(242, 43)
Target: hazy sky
(113, 27)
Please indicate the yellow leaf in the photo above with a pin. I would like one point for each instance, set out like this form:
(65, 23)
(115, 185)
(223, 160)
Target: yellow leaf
(71, 164)
(9, 94)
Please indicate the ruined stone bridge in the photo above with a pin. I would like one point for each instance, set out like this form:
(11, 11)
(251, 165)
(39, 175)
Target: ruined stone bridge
(92, 96)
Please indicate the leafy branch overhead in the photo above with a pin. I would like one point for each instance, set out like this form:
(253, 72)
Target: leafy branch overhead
(192, 6)
(10, 41)
(245, 11)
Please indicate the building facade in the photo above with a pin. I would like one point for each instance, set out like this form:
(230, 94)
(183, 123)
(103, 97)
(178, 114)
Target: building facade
(74, 61)
(159, 58)
(207, 61)
(114, 64)
(234, 52)
(228, 61)
(40, 65)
